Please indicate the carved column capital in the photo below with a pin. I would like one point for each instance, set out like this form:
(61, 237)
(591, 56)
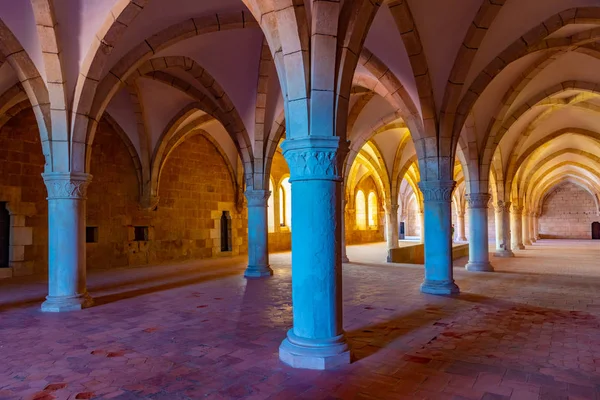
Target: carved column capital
(437, 191)
(67, 185)
(392, 209)
(257, 198)
(313, 158)
(517, 210)
(478, 200)
(503, 206)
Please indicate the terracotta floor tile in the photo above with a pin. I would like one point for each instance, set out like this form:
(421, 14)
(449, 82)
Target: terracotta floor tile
(528, 331)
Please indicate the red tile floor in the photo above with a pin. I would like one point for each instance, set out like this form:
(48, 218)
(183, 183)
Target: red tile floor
(200, 330)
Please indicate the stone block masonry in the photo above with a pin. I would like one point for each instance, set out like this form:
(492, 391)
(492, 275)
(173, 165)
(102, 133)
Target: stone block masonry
(568, 213)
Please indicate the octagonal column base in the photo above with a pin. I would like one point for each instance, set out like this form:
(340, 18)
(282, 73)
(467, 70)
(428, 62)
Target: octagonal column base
(318, 354)
(439, 287)
(479, 267)
(258, 271)
(345, 259)
(64, 304)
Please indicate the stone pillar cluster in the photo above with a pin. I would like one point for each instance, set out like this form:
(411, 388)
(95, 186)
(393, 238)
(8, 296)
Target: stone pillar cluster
(525, 227)
(460, 229)
(438, 237)
(516, 228)
(258, 234)
(317, 339)
(66, 241)
(479, 259)
(391, 217)
(503, 234)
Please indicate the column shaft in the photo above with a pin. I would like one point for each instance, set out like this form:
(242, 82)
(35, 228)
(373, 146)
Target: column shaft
(516, 229)
(525, 228)
(531, 228)
(66, 242)
(503, 236)
(438, 237)
(258, 234)
(536, 226)
(345, 258)
(460, 234)
(391, 219)
(316, 340)
(422, 222)
(479, 258)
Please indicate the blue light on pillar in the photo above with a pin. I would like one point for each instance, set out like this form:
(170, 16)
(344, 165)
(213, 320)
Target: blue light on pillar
(437, 197)
(66, 241)
(479, 259)
(316, 340)
(258, 234)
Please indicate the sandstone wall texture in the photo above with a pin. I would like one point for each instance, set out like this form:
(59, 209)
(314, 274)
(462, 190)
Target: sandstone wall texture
(195, 188)
(568, 213)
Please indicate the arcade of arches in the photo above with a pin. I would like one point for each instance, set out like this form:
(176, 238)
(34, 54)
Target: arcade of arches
(135, 135)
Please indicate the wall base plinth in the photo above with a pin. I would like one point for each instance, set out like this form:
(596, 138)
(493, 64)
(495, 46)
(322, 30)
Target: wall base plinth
(527, 243)
(318, 354)
(439, 287)
(479, 267)
(258, 271)
(64, 304)
(504, 253)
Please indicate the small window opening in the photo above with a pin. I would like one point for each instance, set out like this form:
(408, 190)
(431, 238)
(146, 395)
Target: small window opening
(140, 233)
(91, 234)
(226, 242)
(4, 236)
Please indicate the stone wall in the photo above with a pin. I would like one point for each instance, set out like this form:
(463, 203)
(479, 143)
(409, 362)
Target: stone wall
(22, 187)
(369, 235)
(568, 213)
(195, 188)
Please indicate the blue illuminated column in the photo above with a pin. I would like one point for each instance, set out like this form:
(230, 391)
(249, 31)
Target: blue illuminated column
(479, 258)
(258, 234)
(66, 241)
(516, 229)
(438, 237)
(503, 236)
(345, 258)
(316, 340)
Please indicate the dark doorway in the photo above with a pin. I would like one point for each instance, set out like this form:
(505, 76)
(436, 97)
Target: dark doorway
(4, 235)
(401, 233)
(226, 242)
(596, 230)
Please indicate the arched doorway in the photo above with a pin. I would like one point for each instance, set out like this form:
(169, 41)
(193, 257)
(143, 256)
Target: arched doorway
(596, 230)
(4, 235)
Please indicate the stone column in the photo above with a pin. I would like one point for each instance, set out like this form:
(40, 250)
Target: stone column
(498, 225)
(66, 241)
(460, 231)
(345, 258)
(503, 236)
(317, 339)
(438, 237)
(516, 228)
(258, 234)
(479, 258)
(536, 226)
(391, 226)
(531, 229)
(422, 222)
(525, 228)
